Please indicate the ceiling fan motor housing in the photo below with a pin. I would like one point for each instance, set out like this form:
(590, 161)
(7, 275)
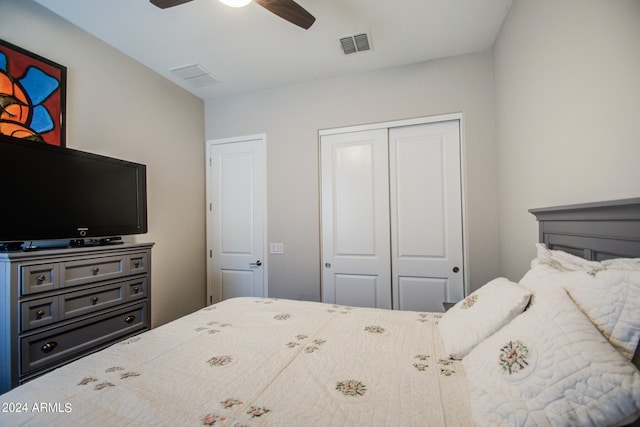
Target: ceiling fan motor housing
(288, 10)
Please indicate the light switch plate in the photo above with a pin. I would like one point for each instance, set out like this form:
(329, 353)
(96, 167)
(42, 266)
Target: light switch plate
(276, 248)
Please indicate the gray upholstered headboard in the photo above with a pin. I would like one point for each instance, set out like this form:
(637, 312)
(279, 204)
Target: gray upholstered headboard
(594, 231)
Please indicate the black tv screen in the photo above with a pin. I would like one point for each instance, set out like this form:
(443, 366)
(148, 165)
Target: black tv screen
(56, 193)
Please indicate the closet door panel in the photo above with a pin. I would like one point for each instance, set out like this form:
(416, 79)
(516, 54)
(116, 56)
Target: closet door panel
(426, 215)
(355, 219)
(419, 196)
(356, 290)
(354, 199)
(421, 294)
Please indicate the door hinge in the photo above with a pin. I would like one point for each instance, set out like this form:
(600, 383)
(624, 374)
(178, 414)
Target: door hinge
(210, 299)
(210, 207)
(210, 253)
(210, 162)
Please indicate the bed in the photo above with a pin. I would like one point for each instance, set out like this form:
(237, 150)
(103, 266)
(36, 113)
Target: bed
(557, 348)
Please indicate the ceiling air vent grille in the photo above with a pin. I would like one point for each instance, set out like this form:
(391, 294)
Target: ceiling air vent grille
(196, 75)
(356, 43)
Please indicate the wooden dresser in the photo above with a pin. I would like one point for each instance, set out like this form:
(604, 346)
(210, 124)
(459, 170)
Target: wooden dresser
(57, 305)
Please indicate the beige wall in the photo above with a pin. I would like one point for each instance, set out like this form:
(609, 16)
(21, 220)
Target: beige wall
(567, 81)
(292, 116)
(119, 108)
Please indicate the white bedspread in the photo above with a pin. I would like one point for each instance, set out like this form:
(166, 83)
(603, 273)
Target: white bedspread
(254, 362)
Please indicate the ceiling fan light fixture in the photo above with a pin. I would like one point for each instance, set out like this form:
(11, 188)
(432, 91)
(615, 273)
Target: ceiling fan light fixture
(236, 3)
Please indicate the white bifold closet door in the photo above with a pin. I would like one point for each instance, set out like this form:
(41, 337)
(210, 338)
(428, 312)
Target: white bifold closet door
(392, 217)
(355, 219)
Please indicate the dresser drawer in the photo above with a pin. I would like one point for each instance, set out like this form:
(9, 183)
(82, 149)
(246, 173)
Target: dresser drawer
(36, 313)
(47, 348)
(91, 270)
(91, 300)
(38, 278)
(138, 263)
(136, 289)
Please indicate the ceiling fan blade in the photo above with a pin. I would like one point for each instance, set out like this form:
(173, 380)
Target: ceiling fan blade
(290, 11)
(163, 4)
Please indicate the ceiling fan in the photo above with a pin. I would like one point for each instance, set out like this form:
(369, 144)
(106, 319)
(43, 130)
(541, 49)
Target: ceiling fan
(288, 10)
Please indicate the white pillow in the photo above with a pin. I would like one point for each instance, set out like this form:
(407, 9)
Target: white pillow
(611, 300)
(481, 314)
(562, 261)
(550, 262)
(554, 261)
(608, 292)
(622, 264)
(551, 366)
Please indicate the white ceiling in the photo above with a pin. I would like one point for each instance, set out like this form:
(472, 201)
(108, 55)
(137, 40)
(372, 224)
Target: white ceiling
(251, 49)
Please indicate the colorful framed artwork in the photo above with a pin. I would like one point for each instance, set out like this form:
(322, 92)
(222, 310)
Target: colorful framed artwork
(32, 96)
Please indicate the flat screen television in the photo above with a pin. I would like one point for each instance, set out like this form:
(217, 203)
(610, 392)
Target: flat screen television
(55, 193)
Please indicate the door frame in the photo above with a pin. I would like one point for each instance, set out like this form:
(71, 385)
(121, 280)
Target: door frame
(262, 137)
(463, 186)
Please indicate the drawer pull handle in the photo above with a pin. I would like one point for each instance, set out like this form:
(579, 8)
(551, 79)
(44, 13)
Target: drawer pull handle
(40, 313)
(96, 270)
(136, 264)
(94, 300)
(129, 319)
(136, 289)
(41, 278)
(48, 347)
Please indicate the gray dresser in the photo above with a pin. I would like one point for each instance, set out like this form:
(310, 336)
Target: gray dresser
(57, 305)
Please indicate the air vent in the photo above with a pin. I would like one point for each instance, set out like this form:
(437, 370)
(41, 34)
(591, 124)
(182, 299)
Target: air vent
(196, 75)
(356, 43)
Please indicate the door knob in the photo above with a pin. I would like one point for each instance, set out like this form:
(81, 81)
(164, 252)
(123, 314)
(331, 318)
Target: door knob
(456, 269)
(258, 263)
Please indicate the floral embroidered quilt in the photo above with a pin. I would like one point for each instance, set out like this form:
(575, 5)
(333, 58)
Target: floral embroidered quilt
(259, 362)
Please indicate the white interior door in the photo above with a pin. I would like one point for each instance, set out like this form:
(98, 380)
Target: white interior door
(355, 219)
(426, 215)
(236, 213)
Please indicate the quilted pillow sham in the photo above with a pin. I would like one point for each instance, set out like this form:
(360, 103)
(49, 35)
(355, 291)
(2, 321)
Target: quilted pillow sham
(562, 261)
(622, 264)
(607, 292)
(550, 261)
(481, 314)
(610, 299)
(551, 366)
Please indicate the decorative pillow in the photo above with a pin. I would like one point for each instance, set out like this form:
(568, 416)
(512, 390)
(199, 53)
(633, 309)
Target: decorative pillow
(551, 366)
(563, 261)
(481, 314)
(622, 264)
(608, 292)
(550, 262)
(611, 300)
